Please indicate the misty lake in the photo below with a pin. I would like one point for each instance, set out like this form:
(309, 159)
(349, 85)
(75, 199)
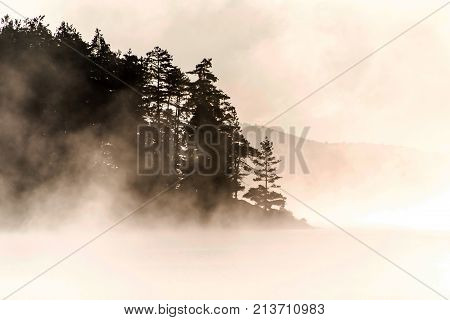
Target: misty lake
(226, 264)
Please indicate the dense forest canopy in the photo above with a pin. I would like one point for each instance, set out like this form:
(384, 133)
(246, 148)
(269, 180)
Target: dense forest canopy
(62, 99)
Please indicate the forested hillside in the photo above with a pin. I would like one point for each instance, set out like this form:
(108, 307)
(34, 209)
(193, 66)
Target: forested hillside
(73, 110)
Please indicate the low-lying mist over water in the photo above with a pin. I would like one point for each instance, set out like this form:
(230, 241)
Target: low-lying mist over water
(134, 263)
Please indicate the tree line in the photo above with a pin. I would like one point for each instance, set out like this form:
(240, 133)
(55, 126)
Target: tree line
(58, 90)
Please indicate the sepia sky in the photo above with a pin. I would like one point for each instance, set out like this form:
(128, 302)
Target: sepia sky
(270, 54)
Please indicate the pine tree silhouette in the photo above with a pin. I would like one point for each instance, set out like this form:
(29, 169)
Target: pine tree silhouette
(177, 114)
(156, 89)
(239, 151)
(264, 194)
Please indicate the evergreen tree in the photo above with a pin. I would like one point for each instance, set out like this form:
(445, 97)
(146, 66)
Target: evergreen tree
(103, 85)
(76, 104)
(264, 194)
(156, 102)
(178, 114)
(240, 149)
(158, 66)
(129, 114)
(207, 160)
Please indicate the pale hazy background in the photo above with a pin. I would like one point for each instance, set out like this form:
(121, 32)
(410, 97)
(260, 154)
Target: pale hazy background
(376, 151)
